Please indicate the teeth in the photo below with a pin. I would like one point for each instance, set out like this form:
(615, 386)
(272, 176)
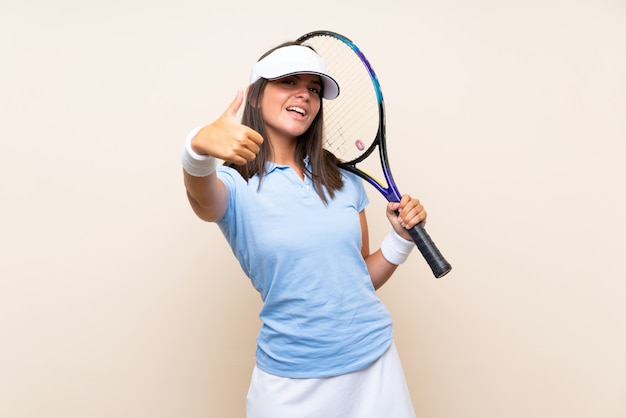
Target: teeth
(297, 109)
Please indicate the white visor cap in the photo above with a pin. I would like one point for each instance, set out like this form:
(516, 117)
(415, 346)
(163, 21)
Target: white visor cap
(295, 59)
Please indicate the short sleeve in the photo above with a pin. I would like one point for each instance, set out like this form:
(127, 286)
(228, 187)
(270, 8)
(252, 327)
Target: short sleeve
(356, 183)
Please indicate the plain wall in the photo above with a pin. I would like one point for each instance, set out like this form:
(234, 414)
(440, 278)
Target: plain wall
(506, 118)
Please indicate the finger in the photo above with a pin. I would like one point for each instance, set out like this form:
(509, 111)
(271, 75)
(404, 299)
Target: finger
(252, 147)
(254, 136)
(234, 106)
(405, 200)
(411, 212)
(393, 207)
(415, 216)
(249, 139)
(240, 155)
(247, 154)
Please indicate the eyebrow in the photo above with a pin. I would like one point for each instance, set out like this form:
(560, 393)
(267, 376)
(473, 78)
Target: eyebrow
(317, 80)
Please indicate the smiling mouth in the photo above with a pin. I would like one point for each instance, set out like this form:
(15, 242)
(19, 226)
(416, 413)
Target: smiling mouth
(296, 109)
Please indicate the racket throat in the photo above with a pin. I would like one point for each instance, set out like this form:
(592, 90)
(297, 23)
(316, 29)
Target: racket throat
(389, 192)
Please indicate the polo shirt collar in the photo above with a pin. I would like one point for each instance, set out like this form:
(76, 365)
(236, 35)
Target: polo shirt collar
(271, 166)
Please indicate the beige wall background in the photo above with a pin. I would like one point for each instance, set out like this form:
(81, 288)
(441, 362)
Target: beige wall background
(507, 118)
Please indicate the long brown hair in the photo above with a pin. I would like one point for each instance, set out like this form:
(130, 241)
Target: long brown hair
(324, 174)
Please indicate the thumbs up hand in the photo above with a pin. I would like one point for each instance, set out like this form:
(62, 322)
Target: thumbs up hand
(227, 139)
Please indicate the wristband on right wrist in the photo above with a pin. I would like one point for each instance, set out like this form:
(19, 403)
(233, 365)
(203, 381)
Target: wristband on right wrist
(195, 164)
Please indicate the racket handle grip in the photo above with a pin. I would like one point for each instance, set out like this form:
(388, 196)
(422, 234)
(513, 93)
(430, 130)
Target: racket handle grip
(429, 250)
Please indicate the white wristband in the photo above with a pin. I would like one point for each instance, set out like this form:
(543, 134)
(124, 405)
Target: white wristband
(195, 164)
(396, 249)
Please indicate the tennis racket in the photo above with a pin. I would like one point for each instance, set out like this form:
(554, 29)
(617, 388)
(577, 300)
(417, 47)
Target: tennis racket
(354, 125)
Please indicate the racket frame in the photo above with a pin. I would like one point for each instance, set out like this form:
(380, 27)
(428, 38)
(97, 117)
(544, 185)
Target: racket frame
(436, 261)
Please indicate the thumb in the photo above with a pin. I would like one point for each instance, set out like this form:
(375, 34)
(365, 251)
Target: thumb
(234, 106)
(393, 207)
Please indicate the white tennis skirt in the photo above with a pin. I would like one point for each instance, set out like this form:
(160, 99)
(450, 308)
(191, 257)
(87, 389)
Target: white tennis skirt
(379, 391)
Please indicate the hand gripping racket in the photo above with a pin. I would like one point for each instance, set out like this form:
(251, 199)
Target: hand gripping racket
(354, 124)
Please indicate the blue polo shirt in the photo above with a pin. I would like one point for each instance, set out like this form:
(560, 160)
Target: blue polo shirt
(321, 316)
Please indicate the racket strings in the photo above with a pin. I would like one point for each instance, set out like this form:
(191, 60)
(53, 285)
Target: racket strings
(351, 120)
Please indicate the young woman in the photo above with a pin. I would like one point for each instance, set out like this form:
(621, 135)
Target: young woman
(297, 225)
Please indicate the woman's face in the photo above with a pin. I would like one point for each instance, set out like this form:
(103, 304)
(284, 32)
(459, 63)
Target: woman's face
(290, 104)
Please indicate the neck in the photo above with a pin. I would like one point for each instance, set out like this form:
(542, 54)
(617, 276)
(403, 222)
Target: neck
(284, 153)
(283, 150)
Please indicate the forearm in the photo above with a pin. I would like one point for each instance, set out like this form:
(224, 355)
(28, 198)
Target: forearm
(207, 196)
(394, 250)
(382, 263)
(379, 268)
(206, 192)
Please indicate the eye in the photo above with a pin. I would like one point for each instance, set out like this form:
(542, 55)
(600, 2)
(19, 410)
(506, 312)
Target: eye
(315, 87)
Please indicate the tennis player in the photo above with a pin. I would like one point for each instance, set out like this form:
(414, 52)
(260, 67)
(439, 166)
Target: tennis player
(296, 223)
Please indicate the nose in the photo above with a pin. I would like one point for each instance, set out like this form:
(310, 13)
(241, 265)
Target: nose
(303, 92)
